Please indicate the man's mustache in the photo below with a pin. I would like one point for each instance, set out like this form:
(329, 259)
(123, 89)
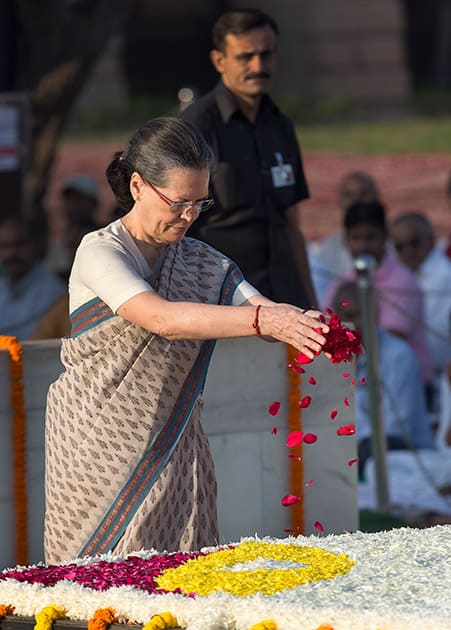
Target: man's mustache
(257, 75)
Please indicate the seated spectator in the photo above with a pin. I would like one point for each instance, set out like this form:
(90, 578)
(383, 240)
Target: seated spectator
(403, 405)
(27, 288)
(444, 243)
(330, 258)
(413, 238)
(77, 213)
(400, 300)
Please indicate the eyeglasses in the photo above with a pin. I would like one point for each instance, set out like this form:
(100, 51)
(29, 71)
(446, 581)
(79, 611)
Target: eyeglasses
(180, 207)
(414, 243)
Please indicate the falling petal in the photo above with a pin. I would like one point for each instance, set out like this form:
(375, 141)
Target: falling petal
(309, 483)
(346, 375)
(346, 429)
(328, 311)
(296, 368)
(305, 402)
(290, 499)
(346, 401)
(319, 526)
(274, 431)
(312, 380)
(289, 531)
(345, 303)
(353, 461)
(333, 414)
(353, 382)
(296, 457)
(362, 380)
(294, 438)
(303, 359)
(310, 438)
(274, 408)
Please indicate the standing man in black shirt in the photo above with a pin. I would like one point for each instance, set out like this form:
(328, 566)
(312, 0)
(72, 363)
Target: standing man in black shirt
(259, 182)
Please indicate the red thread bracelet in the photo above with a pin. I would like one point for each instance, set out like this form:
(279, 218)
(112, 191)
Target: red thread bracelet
(255, 323)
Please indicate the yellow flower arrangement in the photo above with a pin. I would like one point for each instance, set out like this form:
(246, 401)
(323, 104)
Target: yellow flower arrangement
(46, 617)
(268, 624)
(206, 574)
(163, 621)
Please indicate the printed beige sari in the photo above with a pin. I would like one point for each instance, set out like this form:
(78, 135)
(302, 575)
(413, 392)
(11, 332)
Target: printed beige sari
(127, 463)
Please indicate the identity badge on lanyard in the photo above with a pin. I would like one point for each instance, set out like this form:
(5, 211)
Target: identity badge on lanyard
(282, 174)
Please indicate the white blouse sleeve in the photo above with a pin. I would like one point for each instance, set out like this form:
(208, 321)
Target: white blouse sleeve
(104, 268)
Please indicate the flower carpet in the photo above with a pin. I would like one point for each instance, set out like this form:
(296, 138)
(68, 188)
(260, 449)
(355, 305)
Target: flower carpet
(395, 580)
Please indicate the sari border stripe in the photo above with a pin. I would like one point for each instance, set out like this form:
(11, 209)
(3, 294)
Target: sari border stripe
(233, 278)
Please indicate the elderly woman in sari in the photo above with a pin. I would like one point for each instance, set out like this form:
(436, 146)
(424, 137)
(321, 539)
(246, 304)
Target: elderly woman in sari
(127, 463)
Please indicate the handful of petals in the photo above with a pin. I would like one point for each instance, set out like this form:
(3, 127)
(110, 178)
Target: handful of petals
(342, 343)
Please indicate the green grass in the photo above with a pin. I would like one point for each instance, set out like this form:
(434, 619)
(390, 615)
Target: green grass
(326, 126)
(409, 135)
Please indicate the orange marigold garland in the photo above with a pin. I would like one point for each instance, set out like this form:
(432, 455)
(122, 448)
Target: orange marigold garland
(295, 424)
(19, 428)
(6, 610)
(102, 618)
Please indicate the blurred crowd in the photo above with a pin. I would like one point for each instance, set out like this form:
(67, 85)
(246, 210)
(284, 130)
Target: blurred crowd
(34, 302)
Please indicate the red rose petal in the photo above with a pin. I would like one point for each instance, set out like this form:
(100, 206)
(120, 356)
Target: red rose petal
(309, 483)
(346, 375)
(319, 526)
(294, 456)
(346, 401)
(362, 380)
(346, 429)
(274, 408)
(310, 438)
(345, 303)
(353, 382)
(333, 414)
(294, 438)
(296, 368)
(289, 531)
(305, 402)
(329, 312)
(303, 359)
(312, 380)
(274, 431)
(290, 499)
(353, 461)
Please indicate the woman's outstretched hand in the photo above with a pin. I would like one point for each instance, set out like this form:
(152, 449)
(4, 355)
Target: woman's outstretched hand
(301, 329)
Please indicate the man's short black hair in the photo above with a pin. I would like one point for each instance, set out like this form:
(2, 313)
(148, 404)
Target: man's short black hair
(238, 22)
(372, 213)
